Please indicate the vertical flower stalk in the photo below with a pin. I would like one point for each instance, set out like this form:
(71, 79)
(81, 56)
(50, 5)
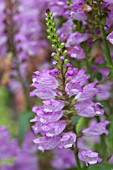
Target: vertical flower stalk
(59, 56)
(11, 31)
(66, 96)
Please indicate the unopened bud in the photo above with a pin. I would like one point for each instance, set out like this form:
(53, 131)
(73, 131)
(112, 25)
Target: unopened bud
(48, 11)
(66, 61)
(65, 53)
(53, 54)
(59, 50)
(68, 65)
(70, 72)
(54, 62)
(53, 46)
(62, 58)
(62, 45)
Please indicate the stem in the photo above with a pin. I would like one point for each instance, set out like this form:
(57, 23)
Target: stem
(76, 153)
(87, 61)
(76, 158)
(103, 144)
(63, 82)
(108, 55)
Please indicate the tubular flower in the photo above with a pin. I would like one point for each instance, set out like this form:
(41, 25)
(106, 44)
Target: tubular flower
(89, 157)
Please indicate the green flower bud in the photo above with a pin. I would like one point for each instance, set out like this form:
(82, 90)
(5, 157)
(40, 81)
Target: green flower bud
(64, 53)
(49, 31)
(54, 46)
(49, 37)
(66, 61)
(62, 45)
(69, 2)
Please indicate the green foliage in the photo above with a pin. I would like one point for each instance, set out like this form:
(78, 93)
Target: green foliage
(80, 124)
(101, 166)
(24, 122)
(110, 136)
(4, 96)
(98, 76)
(7, 161)
(75, 119)
(6, 114)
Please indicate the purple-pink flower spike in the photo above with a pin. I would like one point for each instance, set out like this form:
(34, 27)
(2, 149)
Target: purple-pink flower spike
(65, 93)
(75, 96)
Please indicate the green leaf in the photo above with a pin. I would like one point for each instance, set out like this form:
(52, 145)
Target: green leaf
(102, 166)
(75, 119)
(110, 136)
(99, 76)
(4, 96)
(7, 161)
(24, 122)
(6, 113)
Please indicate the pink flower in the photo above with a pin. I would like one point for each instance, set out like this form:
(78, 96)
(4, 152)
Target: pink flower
(77, 52)
(110, 37)
(88, 92)
(45, 85)
(53, 105)
(46, 143)
(73, 88)
(67, 140)
(96, 129)
(89, 157)
(54, 128)
(76, 38)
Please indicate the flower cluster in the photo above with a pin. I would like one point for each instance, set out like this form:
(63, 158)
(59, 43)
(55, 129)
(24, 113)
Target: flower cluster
(12, 156)
(89, 157)
(66, 94)
(69, 118)
(27, 17)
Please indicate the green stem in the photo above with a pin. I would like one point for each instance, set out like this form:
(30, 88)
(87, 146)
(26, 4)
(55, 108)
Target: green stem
(76, 158)
(103, 144)
(75, 150)
(88, 62)
(78, 162)
(108, 57)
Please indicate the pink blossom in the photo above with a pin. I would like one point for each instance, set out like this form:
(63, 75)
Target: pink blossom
(89, 157)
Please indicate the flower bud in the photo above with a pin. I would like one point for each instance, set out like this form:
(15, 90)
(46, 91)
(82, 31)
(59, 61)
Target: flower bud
(62, 58)
(66, 61)
(54, 62)
(64, 53)
(62, 45)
